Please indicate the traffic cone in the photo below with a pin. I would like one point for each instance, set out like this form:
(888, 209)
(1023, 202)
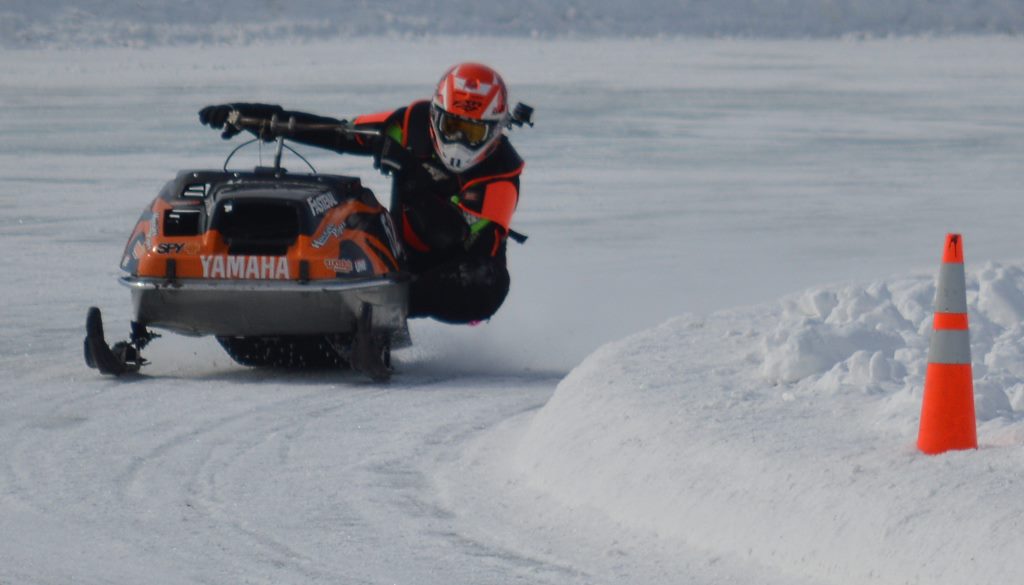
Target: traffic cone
(947, 413)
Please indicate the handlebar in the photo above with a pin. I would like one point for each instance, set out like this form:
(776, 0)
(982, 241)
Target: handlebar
(279, 129)
(273, 128)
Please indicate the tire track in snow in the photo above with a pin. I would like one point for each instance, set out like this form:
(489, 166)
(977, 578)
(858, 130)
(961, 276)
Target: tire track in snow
(283, 479)
(212, 449)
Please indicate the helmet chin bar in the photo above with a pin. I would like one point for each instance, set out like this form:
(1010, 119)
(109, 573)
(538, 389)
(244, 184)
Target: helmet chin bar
(459, 158)
(454, 160)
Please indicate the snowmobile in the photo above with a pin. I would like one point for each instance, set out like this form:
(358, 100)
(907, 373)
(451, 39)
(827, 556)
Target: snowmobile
(284, 269)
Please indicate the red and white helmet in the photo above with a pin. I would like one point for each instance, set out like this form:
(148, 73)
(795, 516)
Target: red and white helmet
(467, 115)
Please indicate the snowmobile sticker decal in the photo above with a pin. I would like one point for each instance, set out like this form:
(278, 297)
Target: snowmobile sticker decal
(333, 230)
(190, 248)
(392, 237)
(153, 233)
(246, 267)
(341, 265)
(346, 266)
(382, 254)
(319, 204)
(354, 258)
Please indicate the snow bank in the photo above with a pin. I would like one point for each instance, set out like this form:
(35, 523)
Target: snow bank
(784, 434)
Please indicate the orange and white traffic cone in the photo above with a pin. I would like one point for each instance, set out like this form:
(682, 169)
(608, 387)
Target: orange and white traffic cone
(947, 413)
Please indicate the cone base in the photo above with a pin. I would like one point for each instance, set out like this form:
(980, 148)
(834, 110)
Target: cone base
(947, 413)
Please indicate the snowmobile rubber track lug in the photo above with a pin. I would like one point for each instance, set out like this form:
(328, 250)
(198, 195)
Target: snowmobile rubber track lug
(298, 351)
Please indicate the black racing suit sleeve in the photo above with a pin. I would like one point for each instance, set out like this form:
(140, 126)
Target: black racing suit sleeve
(329, 138)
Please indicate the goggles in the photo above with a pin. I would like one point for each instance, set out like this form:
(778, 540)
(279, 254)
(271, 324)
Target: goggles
(469, 132)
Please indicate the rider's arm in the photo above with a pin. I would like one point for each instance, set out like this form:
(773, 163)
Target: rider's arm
(349, 143)
(328, 137)
(488, 210)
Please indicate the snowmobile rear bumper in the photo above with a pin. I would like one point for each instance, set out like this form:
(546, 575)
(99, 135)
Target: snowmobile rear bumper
(248, 308)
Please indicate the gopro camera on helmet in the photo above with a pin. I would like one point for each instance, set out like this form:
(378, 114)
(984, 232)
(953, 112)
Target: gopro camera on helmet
(522, 114)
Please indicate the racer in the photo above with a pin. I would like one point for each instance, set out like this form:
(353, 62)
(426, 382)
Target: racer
(455, 184)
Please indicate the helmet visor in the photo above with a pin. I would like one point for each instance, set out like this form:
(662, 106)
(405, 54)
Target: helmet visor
(469, 132)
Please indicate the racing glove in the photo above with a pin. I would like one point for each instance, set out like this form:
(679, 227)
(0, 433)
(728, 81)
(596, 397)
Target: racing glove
(217, 116)
(389, 156)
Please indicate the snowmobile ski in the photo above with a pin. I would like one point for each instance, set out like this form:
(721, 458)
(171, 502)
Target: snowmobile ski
(371, 350)
(123, 358)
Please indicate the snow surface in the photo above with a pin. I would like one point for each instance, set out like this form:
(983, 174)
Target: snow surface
(132, 23)
(620, 420)
(785, 434)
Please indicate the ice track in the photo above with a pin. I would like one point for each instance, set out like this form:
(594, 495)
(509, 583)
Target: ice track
(180, 480)
(255, 478)
(721, 173)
